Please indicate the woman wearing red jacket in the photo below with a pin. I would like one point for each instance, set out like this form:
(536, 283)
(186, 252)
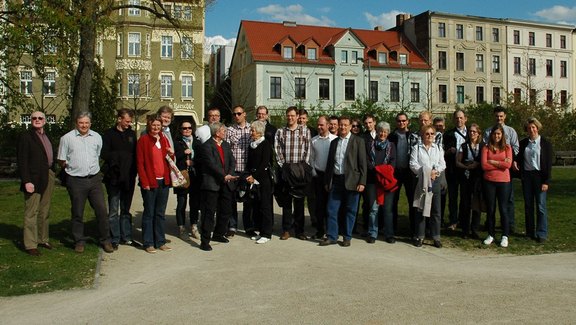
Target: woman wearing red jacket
(154, 175)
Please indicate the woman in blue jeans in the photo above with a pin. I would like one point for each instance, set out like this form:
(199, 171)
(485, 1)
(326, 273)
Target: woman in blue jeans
(379, 151)
(535, 164)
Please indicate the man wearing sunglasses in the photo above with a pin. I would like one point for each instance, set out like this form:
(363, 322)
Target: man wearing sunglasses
(35, 162)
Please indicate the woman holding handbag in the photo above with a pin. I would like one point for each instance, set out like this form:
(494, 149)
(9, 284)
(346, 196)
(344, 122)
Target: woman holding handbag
(154, 175)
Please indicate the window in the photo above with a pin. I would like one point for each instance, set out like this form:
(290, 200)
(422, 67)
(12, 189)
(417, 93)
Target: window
(382, 58)
(460, 94)
(133, 85)
(166, 51)
(134, 11)
(394, 91)
(460, 61)
(49, 85)
(532, 96)
(187, 86)
(354, 58)
(442, 60)
(119, 44)
(479, 62)
(177, 11)
(548, 40)
(441, 29)
(403, 59)
(166, 86)
(187, 13)
(324, 88)
(496, 95)
(563, 69)
(517, 95)
(288, 52)
(516, 37)
(479, 94)
(549, 97)
(459, 31)
(495, 35)
(531, 39)
(344, 56)
(311, 54)
(517, 65)
(415, 92)
(562, 41)
(133, 44)
(349, 89)
(373, 94)
(49, 46)
(275, 87)
(148, 46)
(26, 82)
(479, 33)
(563, 97)
(496, 64)
(186, 48)
(549, 65)
(442, 94)
(300, 88)
(532, 67)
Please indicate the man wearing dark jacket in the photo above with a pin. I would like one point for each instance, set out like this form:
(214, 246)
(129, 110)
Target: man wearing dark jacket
(118, 153)
(35, 162)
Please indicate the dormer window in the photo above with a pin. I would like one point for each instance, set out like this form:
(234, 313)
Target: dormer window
(382, 58)
(288, 53)
(312, 54)
(403, 59)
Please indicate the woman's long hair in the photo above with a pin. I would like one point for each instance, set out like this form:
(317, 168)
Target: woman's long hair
(500, 145)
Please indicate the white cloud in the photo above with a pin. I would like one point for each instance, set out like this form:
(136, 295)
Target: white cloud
(294, 13)
(216, 40)
(559, 14)
(385, 19)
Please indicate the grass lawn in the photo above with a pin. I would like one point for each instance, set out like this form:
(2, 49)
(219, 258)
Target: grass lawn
(57, 269)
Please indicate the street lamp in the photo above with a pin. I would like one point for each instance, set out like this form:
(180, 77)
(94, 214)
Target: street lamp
(364, 60)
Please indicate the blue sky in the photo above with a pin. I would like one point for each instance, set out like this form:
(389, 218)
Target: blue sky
(223, 18)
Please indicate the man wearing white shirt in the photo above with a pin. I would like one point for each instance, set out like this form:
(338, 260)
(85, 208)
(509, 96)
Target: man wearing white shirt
(320, 145)
(203, 132)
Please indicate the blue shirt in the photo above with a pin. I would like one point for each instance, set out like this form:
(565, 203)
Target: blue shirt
(81, 153)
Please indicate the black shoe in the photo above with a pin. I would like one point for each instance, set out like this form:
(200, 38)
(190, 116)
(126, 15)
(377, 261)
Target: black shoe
(318, 236)
(418, 242)
(205, 247)
(541, 240)
(220, 239)
(302, 236)
(474, 235)
(345, 243)
(251, 233)
(328, 242)
(437, 243)
(390, 240)
(371, 240)
(230, 233)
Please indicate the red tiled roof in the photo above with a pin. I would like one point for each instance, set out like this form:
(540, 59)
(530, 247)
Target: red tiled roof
(263, 38)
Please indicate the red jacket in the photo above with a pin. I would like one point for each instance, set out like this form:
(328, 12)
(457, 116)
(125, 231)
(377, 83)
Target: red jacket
(385, 182)
(145, 162)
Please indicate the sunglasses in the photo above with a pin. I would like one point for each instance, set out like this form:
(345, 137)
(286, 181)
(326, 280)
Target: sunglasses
(238, 113)
(430, 134)
(39, 118)
(401, 121)
(187, 128)
(355, 126)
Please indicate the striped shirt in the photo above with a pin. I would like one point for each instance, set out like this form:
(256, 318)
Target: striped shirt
(239, 139)
(81, 153)
(292, 146)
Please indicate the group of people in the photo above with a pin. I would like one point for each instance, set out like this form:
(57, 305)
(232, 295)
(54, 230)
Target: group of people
(331, 167)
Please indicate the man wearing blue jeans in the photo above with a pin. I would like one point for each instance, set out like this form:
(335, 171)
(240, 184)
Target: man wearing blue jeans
(345, 179)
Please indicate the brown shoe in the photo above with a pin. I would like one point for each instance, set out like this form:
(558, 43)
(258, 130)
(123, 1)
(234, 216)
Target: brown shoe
(45, 245)
(165, 248)
(302, 237)
(285, 235)
(33, 252)
(79, 248)
(345, 243)
(150, 250)
(327, 242)
(108, 248)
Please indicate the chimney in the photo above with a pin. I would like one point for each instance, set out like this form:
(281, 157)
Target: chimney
(288, 23)
(379, 28)
(401, 18)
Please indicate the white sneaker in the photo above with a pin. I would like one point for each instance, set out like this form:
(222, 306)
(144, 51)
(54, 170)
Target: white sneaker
(488, 240)
(262, 240)
(255, 238)
(504, 241)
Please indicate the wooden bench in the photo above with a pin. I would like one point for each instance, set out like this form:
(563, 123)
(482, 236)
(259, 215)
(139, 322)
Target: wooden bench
(565, 157)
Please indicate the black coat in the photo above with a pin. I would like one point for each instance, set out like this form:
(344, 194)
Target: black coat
(212, 170)
(33, 162)
(546, 156)
(119, 155)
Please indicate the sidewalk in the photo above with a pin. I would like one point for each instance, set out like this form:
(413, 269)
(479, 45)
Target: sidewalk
(297, 282)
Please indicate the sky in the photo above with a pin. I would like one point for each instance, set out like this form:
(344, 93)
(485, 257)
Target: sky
(223, 18)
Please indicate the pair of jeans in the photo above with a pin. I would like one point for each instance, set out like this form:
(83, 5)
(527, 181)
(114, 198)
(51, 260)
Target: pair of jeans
(154, 215)
(500, 191)
(386, 208)
(119, 217)
(338, 195)
(533, 195)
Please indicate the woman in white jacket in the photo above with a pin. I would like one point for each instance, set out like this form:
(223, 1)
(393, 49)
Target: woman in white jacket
(427, 162)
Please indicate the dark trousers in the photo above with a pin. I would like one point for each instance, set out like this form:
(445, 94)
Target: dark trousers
(119, 217)
(215, 205)
(293, 214)
(500, 191)
(247, 220)
(453, 189)
(434, 218)
(154, 215)
(262, 210)
(534, 197)
(190, 195)
(81, 189)
(469, 225)
(405, 177)
(321, 203)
